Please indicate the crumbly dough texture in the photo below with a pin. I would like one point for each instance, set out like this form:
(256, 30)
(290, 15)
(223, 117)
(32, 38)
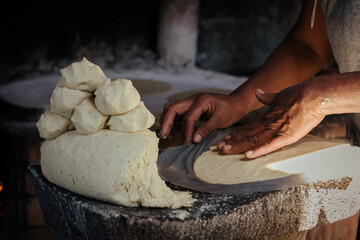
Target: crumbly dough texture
(138, 119)
(83, 75)
(52, 125)
(64, 100)
(111, 166)
(87, 119)
(115, 97)
(80, 155)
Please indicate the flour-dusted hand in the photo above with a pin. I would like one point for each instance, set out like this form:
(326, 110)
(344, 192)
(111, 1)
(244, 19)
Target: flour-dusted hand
(217, 111)
(293, 113)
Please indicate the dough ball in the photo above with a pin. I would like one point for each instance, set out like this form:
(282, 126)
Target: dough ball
(138, 119)
(83, 75)
(115, 97)
(64, 100)
(51, 125)
(87, 119)
(111, 166)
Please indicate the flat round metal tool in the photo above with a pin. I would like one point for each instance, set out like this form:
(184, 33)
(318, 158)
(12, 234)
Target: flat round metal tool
(175, 165)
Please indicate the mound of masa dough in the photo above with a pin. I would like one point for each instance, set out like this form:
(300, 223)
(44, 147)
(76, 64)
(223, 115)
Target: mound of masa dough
(117, 165)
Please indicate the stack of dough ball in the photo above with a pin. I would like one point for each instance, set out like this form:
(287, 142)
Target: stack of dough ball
(78, 82)
(118, 164)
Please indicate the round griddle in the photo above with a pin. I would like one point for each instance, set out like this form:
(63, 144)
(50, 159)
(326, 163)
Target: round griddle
(176, 166)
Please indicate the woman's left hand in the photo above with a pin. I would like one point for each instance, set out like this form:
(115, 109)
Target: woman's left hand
(293, 113)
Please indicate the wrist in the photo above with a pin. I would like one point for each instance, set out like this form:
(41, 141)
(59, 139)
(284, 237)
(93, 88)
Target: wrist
(245, 99)
(328, 94)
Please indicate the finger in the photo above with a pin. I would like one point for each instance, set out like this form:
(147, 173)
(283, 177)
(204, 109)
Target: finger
(166, 106)
(271, 145)
(233, 147)
(205, 129)
(240, 144)
(265, 98)
(190, 118)
(227, 137)
(248, 130)
(169, 114)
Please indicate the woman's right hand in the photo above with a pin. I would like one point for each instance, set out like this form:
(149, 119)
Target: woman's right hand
(217, 111)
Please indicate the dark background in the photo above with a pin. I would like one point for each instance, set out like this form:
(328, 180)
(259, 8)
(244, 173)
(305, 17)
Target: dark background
(235, 36)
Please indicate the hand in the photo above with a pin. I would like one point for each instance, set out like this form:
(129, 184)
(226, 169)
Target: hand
(218, 111)
(293, 113)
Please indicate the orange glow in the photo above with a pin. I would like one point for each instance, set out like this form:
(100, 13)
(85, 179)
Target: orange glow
(1, 186)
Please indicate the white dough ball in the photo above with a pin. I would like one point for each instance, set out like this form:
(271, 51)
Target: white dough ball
(87, 119)
(64, 100)
(83, 75)
(115, 97)
(138, 119)
(51, 125)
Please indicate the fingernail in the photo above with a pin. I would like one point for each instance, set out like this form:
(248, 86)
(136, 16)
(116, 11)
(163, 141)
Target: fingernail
(221, 144)
(227, 147)
(260, 91)
(248, 153)
(227, 137)
(164, 137)
(197, 138)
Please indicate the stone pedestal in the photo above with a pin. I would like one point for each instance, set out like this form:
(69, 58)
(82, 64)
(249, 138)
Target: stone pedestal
(285, 214)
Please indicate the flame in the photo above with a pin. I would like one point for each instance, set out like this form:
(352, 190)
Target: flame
(1, 188)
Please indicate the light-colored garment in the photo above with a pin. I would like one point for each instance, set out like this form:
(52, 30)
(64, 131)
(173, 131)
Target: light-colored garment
(342, 19)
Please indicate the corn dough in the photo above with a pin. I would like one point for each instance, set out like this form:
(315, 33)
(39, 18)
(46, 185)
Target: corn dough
(111, 166)
(138, 119)
(115, 97)
(87, 119)
(52, 125)
(108, 165)
(83, 75)
(64, 100)
(216, 168)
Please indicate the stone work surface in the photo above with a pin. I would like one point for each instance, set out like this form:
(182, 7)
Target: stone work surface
(274, 215)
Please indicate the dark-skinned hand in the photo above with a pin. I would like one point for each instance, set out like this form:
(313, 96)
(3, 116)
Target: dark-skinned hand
(216, 110)
(293, 113)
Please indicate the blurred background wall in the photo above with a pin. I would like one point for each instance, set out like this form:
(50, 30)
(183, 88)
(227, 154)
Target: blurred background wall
(234, 36)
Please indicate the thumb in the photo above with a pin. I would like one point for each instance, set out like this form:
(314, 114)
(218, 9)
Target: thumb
(204, 130)
(265, 98)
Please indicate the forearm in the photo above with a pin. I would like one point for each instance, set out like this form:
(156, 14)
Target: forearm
(300, 56)
(291, 62)
(335, 93)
